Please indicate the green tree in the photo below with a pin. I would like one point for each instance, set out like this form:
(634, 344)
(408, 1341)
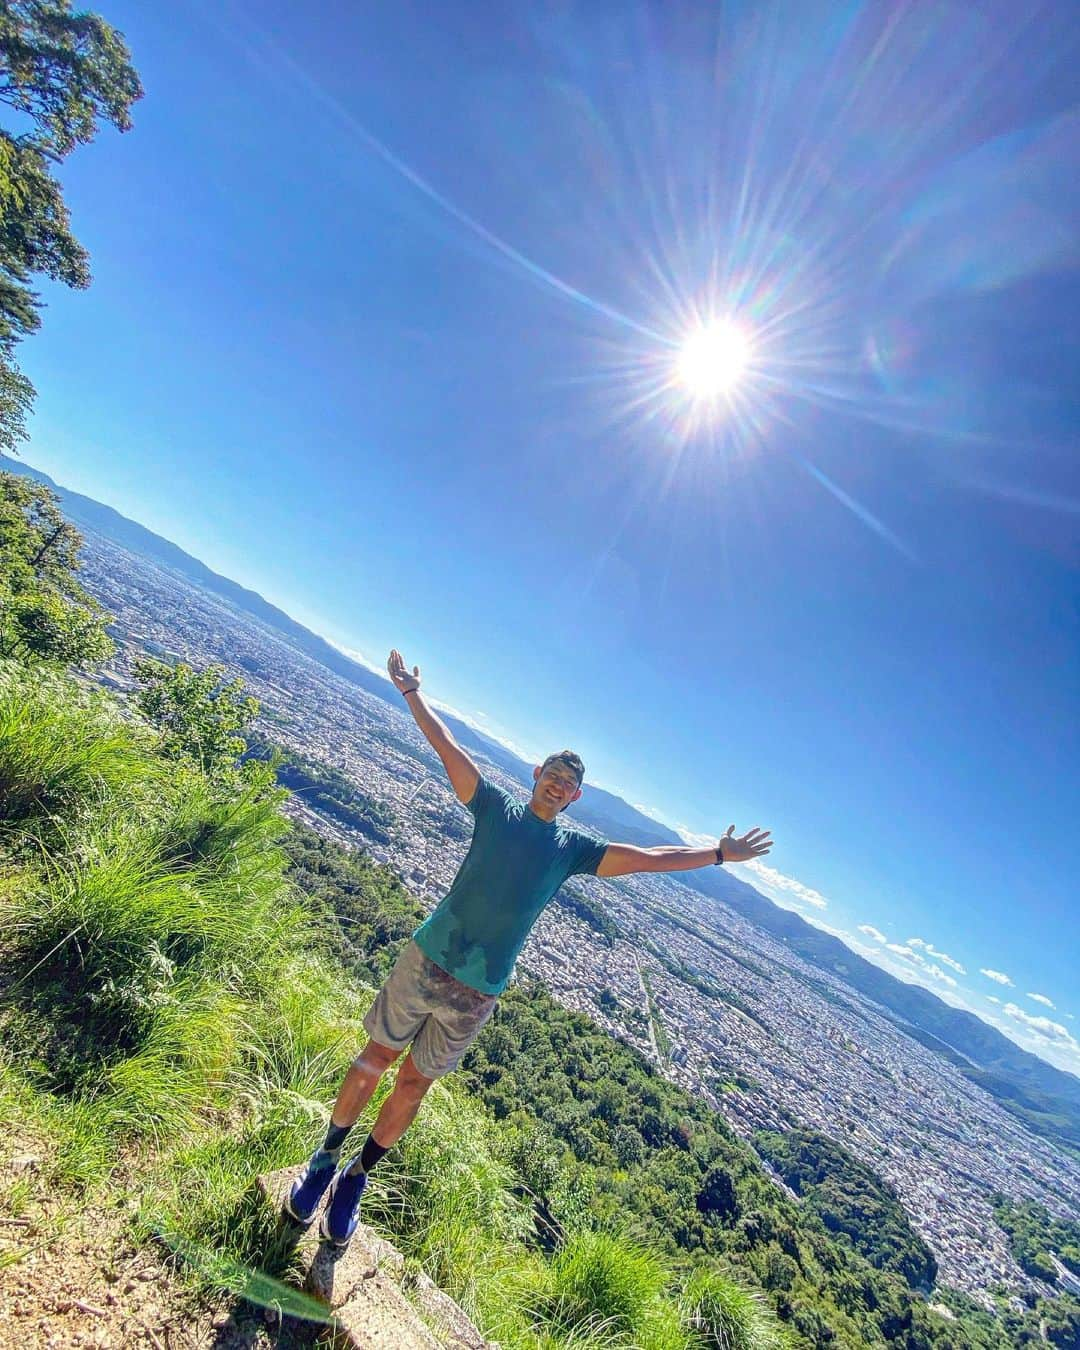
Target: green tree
(628, 1145)
(38, 547)
(16, 400)
(50, 628)
(62, 73)
(44, 613)
(717, 1195)
(200, 715)
(1061, 1318)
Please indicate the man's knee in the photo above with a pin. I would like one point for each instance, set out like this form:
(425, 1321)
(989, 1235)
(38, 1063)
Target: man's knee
(375, 1059)
(410, 1080)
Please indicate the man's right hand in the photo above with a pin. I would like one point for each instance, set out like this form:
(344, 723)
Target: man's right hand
(462, 772)
(403, 681)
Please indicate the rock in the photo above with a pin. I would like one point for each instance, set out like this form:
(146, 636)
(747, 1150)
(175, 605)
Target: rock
(449, 1322)
(364, 1289)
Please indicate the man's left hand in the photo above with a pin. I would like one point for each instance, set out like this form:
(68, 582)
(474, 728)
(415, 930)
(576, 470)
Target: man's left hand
(752, 844)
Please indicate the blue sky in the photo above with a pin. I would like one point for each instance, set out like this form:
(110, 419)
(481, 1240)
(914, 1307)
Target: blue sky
(386, 307)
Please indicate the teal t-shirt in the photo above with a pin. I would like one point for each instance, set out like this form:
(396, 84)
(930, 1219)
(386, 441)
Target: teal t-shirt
(515, 864)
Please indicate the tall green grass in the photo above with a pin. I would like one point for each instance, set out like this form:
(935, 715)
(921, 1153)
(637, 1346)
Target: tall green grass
(198, 885)
(158, 931)
(61, 748)
(727, 1317)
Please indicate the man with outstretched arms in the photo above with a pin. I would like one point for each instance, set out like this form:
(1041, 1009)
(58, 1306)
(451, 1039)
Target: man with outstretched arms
(447, 979)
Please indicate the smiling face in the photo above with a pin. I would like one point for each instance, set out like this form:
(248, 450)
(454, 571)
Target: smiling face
(557, 784)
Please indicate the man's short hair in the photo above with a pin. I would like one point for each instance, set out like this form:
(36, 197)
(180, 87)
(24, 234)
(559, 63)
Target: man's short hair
(572, 761)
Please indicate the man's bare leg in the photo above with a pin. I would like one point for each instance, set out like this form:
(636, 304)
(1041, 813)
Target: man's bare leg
(396, 1114)
(355, 1093)
(399, 1110)
(360, 1083)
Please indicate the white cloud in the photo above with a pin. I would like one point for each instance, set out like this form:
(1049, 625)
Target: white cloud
(769, 879)
(931, 950)
(1043, 1027)
(842, 933)
(1038, 1035)
(916, 969)
(871, 932)
(997, 976)
(685, 833)
(1041, 998)
(906, 952)
(945, 960)
(913, 968)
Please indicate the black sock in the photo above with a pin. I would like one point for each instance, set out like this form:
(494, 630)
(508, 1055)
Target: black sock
(330, 1152)
(369, 1156)
(335, 1137)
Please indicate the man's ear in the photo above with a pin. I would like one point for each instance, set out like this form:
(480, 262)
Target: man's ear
(536, 773)
(576, 795)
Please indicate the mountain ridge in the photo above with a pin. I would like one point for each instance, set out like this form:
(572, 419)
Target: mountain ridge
(1020, 1080)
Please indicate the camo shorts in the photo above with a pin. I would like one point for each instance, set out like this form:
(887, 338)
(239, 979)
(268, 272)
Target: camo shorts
(422, 1006)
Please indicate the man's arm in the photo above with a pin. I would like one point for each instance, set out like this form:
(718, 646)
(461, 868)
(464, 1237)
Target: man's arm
(620, 860)
(462, 772)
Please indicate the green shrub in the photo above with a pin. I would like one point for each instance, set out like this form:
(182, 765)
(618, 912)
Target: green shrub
(727, 1317)
(58, 751)
(605, 1283)
(182, 1066)
(148, 946)
(200, 887)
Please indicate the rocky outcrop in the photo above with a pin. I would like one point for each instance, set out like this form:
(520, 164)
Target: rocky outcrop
(373, 1303)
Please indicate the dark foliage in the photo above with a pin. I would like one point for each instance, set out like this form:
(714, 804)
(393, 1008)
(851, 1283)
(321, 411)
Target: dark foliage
(851, 1199)
(1034, 1234)
(368, 911)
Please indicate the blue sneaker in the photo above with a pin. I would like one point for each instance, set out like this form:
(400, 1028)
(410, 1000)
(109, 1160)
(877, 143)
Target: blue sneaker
(342, 1212)
(308, 1188)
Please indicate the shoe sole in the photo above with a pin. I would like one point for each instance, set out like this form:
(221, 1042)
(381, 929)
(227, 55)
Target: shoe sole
(324, 1233)
(288, 1210)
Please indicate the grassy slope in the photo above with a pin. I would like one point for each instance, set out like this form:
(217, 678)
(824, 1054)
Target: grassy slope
(173, 1022)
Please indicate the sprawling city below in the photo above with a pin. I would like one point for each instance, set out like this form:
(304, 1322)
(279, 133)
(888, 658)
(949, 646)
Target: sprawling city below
(722, 1008)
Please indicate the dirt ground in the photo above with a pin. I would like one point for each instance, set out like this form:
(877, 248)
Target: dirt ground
(74, 1278)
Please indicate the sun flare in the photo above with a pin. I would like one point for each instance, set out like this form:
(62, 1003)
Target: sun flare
(713, 360)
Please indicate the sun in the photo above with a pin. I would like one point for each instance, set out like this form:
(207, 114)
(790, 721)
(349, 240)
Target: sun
(713, 360)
